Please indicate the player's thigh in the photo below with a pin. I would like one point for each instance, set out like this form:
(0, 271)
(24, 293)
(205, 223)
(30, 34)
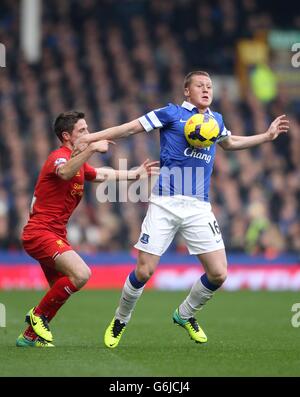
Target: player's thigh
(72, 265)
(201, 232)
(158, 230)
(44, 244)
(215, 265)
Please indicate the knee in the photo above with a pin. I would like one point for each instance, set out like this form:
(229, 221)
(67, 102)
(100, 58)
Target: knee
(143, 271)
(81, 277)
(143, 274)
(218, 278)
(146, 265)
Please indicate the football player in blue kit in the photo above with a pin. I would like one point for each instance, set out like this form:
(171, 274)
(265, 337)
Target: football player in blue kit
(180, 202)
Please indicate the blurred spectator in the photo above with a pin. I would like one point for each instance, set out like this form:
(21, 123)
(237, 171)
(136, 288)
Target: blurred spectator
(259, 223)
(263, 83)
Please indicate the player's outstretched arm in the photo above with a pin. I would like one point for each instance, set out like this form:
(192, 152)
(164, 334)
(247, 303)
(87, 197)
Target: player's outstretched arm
(235, 142)
(145, 170)
(120, 131)
(69, 169)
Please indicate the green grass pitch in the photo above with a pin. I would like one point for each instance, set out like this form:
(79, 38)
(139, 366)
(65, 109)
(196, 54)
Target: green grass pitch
(249, 334)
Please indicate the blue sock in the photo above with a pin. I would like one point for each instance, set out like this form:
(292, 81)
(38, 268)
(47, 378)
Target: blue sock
(134, 281)
(208, 284)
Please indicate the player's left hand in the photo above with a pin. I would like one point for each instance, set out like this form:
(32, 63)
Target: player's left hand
(277, 127)
(147, 169)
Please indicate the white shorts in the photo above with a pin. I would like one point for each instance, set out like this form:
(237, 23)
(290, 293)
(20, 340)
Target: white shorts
(192, 218)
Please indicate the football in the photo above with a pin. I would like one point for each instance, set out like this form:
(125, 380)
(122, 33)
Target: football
(201, 130)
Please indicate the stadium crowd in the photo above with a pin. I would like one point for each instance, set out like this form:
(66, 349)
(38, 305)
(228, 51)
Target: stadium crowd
(115, 64)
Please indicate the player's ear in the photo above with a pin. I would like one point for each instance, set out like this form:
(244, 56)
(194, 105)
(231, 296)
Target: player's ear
(65, 135)
(186, 92)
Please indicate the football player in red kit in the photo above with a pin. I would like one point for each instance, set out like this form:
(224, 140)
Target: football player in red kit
(57, 193)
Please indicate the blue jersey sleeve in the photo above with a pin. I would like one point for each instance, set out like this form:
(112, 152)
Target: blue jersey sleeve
(224, 132)
(159, 118)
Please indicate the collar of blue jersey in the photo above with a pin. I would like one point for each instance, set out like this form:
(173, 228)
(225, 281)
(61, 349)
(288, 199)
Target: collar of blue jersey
(189, 106)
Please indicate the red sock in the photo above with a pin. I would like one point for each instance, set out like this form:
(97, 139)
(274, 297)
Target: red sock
(61, 290)
(29, 333)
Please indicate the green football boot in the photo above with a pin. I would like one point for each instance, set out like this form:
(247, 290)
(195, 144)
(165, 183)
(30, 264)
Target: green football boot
(39, 342)
(191, 325)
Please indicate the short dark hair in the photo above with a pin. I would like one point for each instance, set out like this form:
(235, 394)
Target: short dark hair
(66, 121)
(188, 77)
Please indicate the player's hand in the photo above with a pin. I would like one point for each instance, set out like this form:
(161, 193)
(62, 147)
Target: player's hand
(147, 169)
(277, 127)
(101, 146)
(80, 144)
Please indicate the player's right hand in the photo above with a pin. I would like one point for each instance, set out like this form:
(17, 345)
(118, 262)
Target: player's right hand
(80, 145)
(101, 146)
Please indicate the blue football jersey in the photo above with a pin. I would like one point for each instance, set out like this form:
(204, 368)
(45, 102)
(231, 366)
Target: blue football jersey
(185, 170)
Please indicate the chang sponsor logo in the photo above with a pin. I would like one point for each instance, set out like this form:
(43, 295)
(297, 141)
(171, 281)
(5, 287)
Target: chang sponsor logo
(190, 152)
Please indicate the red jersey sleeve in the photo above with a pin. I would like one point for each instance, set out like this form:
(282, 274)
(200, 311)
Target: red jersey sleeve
(56, 161)
(90, 172)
